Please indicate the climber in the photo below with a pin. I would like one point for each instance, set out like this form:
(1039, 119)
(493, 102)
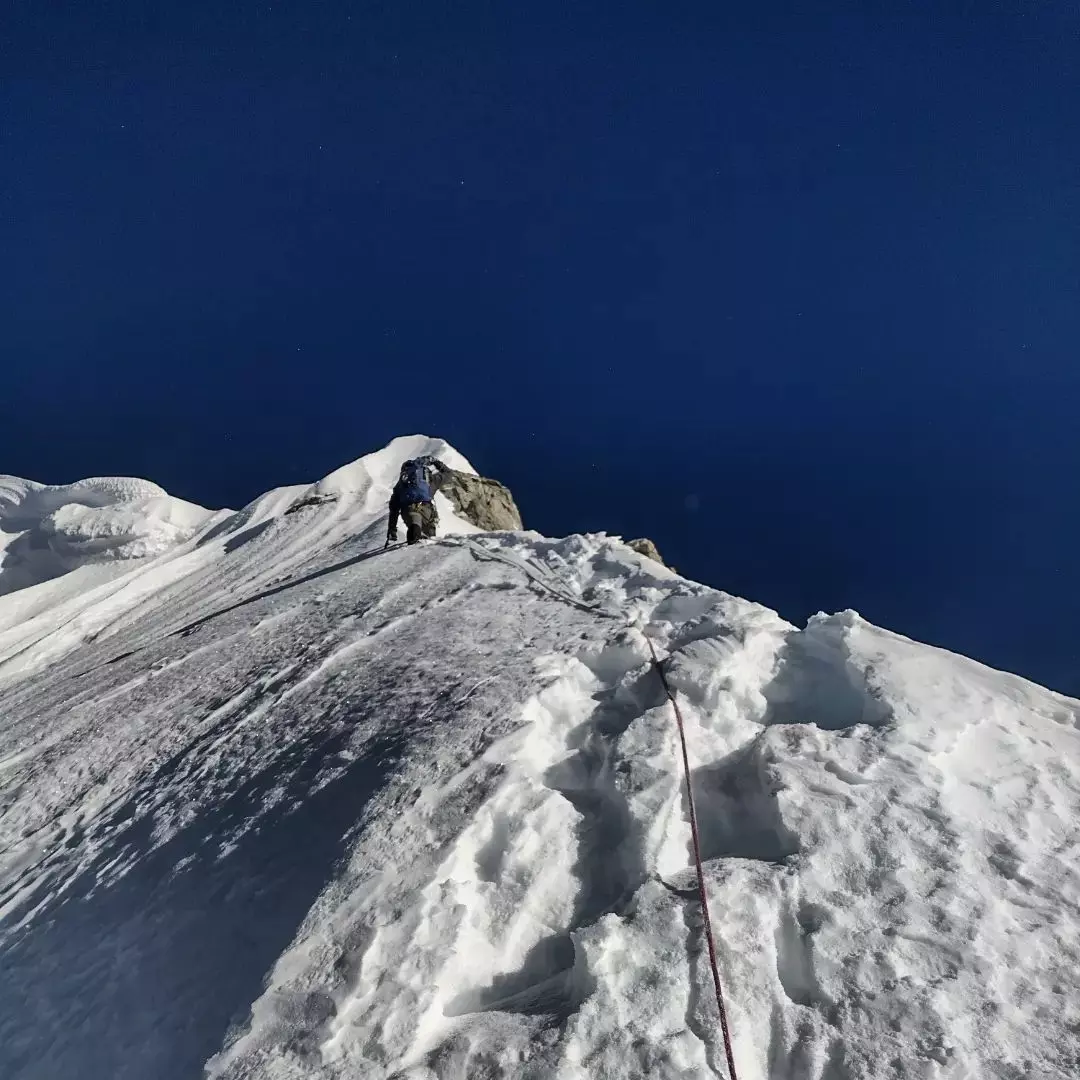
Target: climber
(413, 496)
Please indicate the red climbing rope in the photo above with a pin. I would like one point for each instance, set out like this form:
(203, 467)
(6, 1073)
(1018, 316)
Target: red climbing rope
(697, 861)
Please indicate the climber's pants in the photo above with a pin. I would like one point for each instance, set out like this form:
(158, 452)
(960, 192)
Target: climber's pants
(421, 521)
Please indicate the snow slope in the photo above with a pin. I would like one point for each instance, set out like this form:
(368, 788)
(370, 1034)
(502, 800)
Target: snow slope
(275, 803)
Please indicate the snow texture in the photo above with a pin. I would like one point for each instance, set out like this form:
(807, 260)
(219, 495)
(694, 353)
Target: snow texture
(276, 803)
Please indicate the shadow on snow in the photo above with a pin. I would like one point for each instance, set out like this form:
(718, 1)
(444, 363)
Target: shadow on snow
(149, 971)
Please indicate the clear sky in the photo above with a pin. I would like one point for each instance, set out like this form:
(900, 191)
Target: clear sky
(796, 292)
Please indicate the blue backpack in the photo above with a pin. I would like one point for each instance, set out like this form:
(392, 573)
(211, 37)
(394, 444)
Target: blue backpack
(412, 485)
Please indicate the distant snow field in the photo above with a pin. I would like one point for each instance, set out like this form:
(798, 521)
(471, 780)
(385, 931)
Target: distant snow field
(278, 803)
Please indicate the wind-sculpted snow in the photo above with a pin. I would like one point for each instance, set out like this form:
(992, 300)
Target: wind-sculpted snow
(48, 531)
(286, 805)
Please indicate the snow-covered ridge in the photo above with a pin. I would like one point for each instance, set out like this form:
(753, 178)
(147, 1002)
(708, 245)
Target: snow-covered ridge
(281, 804)
(49, 530)
(77, 559)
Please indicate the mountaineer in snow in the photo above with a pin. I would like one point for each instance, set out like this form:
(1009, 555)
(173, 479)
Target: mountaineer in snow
(412, 499)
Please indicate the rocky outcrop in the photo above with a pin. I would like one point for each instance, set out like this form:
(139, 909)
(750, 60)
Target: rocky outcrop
(311, 500)
(486, 503)
(646, 547)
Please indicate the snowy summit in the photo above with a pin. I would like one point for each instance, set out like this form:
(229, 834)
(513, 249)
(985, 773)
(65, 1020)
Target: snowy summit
(279, 803)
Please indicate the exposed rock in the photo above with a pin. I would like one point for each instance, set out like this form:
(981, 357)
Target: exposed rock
(311, 500)
(486, 503)
(646, 547)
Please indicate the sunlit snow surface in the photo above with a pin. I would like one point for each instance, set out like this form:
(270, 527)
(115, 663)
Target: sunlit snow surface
(48, 531)
(275, 803)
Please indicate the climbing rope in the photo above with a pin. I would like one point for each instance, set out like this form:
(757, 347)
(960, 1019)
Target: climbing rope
(548, 581)
(697, 862)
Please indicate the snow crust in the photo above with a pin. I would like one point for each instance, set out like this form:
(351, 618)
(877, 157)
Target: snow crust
(277, 803)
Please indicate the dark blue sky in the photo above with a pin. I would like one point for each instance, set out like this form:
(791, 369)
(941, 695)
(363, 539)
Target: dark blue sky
(795, 293)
